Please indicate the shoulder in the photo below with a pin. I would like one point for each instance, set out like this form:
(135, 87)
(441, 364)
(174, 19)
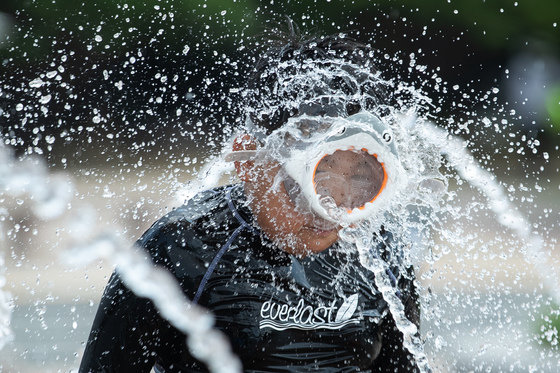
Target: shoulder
(192, 227)
(208, 208)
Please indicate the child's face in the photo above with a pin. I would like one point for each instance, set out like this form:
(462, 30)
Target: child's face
(279, 218)
(276, 214)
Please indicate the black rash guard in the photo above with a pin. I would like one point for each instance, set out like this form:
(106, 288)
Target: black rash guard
(281, 313)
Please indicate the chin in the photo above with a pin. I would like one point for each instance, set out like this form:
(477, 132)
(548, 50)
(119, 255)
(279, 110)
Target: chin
(321, 244)
(319, 238)
(300, 249)
(309, 241)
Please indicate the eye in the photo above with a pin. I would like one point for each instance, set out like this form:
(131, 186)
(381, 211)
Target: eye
(342, 130)
(387, 137)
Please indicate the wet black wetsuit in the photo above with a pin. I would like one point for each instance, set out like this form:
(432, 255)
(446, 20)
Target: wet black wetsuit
(281, 313)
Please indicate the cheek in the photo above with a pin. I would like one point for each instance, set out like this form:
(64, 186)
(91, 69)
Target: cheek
(275, 213)
(281, 215)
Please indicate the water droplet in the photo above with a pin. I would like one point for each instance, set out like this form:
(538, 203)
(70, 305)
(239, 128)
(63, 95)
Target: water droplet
(98, 38)
(45, 99)
(36, 83)
(439, 342)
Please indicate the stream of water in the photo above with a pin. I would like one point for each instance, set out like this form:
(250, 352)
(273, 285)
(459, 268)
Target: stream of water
(30, 180)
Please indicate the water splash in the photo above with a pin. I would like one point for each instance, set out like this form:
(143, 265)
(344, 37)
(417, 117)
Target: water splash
(48, 194)
(361, 237)
(49, 197)
(208, 177)
(421, 174)
(6, 334)
(458, 156)
(156, 283)
(418, 213)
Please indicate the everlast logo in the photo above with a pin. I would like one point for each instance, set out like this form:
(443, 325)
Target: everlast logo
(280, 316)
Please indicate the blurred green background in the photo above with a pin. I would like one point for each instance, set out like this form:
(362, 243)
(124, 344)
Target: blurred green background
(167, 72)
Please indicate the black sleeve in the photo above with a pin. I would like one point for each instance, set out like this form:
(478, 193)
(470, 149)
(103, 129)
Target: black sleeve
(124, 334)
(128, 334)
(393, 356)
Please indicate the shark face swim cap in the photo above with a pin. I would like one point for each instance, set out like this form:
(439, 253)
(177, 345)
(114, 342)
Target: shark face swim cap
(342, 169)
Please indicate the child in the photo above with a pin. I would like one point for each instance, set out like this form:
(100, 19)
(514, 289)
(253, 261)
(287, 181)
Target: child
(263, 256)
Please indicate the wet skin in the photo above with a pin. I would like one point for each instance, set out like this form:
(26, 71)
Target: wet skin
(276, 215)
(351, 178)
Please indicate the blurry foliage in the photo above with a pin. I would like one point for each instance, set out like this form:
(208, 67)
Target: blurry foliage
(44, 26)
(553, 107)
(141, 64)
(548, 327)
(493, 24)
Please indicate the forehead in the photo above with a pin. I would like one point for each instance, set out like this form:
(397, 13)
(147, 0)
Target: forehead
(308, 126)
(313, 135)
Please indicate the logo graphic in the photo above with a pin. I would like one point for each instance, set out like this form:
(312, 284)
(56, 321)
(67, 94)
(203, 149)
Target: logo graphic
(278, 316)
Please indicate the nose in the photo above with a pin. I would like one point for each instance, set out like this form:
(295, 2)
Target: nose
(349, 178)
(335, 186)
(317, 222)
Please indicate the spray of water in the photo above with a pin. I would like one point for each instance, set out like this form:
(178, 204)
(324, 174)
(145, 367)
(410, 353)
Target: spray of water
(208, 177)
(146, 280)
(418, 212)
(383, 281)
(305, 133)
(419, 176)
(6, 334)
(455, 150)
(30, 179)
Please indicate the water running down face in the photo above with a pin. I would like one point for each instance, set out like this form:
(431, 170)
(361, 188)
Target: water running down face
(340, 170)
(347, 178)
(275, 213)
(350, 178)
